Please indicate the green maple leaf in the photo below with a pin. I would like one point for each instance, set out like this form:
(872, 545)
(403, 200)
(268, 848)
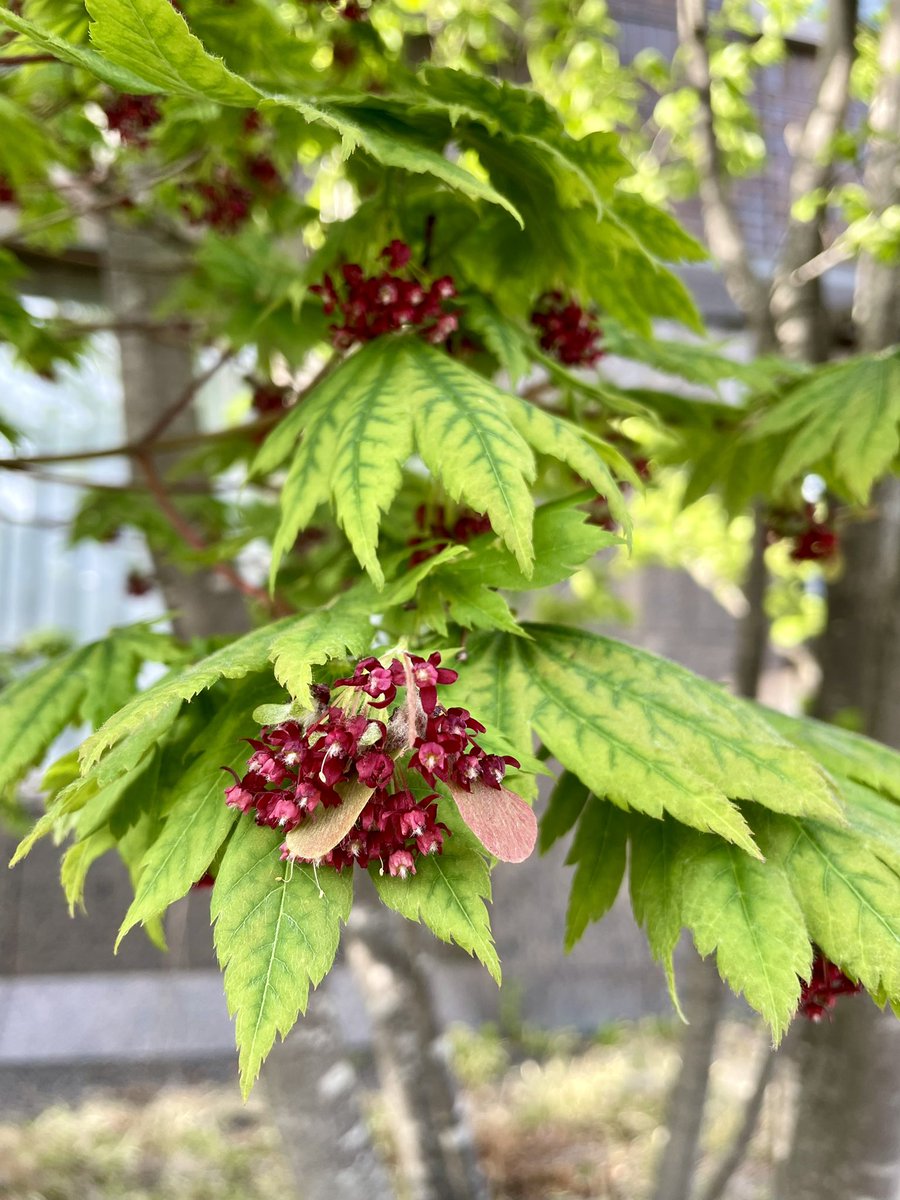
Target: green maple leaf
(277, 929)
(746, 912)
(448, 894)
(843, 420)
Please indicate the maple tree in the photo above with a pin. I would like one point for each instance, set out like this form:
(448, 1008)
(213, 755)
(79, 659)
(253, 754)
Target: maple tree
(487, 248)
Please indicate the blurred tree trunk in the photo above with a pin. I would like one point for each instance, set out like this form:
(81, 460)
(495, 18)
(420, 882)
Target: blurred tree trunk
(787, 313)
(704, 991)
(431, 1134)
(157, 371)
(703, 1000)
(309, 1081)
(846, 1143)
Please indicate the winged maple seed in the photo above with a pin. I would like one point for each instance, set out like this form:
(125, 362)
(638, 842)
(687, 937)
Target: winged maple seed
(338, 783)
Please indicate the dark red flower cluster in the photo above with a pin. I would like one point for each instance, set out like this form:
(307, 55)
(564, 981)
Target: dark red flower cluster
(7, 191)
(225, 200)
(132, 117)
(445, 748)
(373, 305)
(437, 531)
(819, 996)
(269, 397)
(568, 332)
(813, 540)
(263, 172)
(137, 583)
(298, 767)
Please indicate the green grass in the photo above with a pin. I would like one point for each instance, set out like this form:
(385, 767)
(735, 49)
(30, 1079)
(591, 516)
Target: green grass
(557, 1116)
(180, 1144)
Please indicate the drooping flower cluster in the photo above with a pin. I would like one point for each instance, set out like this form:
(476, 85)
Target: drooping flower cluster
(269, 398)
(812, 539)
(828, 981)
(224, 200)
(392, 299)
(138, 583)
(568, 332)
(437, 531)
(132, 117)
(345, 751)
(222, 203)
(7, 191)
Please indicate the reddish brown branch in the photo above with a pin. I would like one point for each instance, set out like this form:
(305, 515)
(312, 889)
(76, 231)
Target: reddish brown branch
(163, 445)
(181, 403)
(134, 449)
(193, 539)
(26, 60)
(187, 489)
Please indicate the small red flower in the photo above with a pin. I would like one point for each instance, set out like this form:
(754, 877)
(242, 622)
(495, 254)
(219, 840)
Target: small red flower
(568, 332)
(132, 117)
(371, 306)
(819, 996)
(341, 757)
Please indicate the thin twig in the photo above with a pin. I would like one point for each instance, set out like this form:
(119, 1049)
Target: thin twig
(25, 60)
(736, 1152)
(102, 204)
(191, 538)
(183, 442)
(187, 489)
(838, 252)
(68, 328)
(181, 403)
(132, 449)
(724, 231)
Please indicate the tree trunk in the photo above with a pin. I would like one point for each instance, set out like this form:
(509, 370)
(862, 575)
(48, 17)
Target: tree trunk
(310, 1084)
(846, 1143)
(312, 1091)
(157, 369)
(799, 315)
(704, 989)
(876, 312)
(704, 996)
(433, 1141)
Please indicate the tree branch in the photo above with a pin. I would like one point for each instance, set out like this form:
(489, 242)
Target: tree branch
(100, 204)
(737, 1151)
(723, 229)
(26, 60)
(753, 629)
(180, 404)
(876, 311)
(797, 307)
(134, 449)
(191, 538)
(92, 485)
